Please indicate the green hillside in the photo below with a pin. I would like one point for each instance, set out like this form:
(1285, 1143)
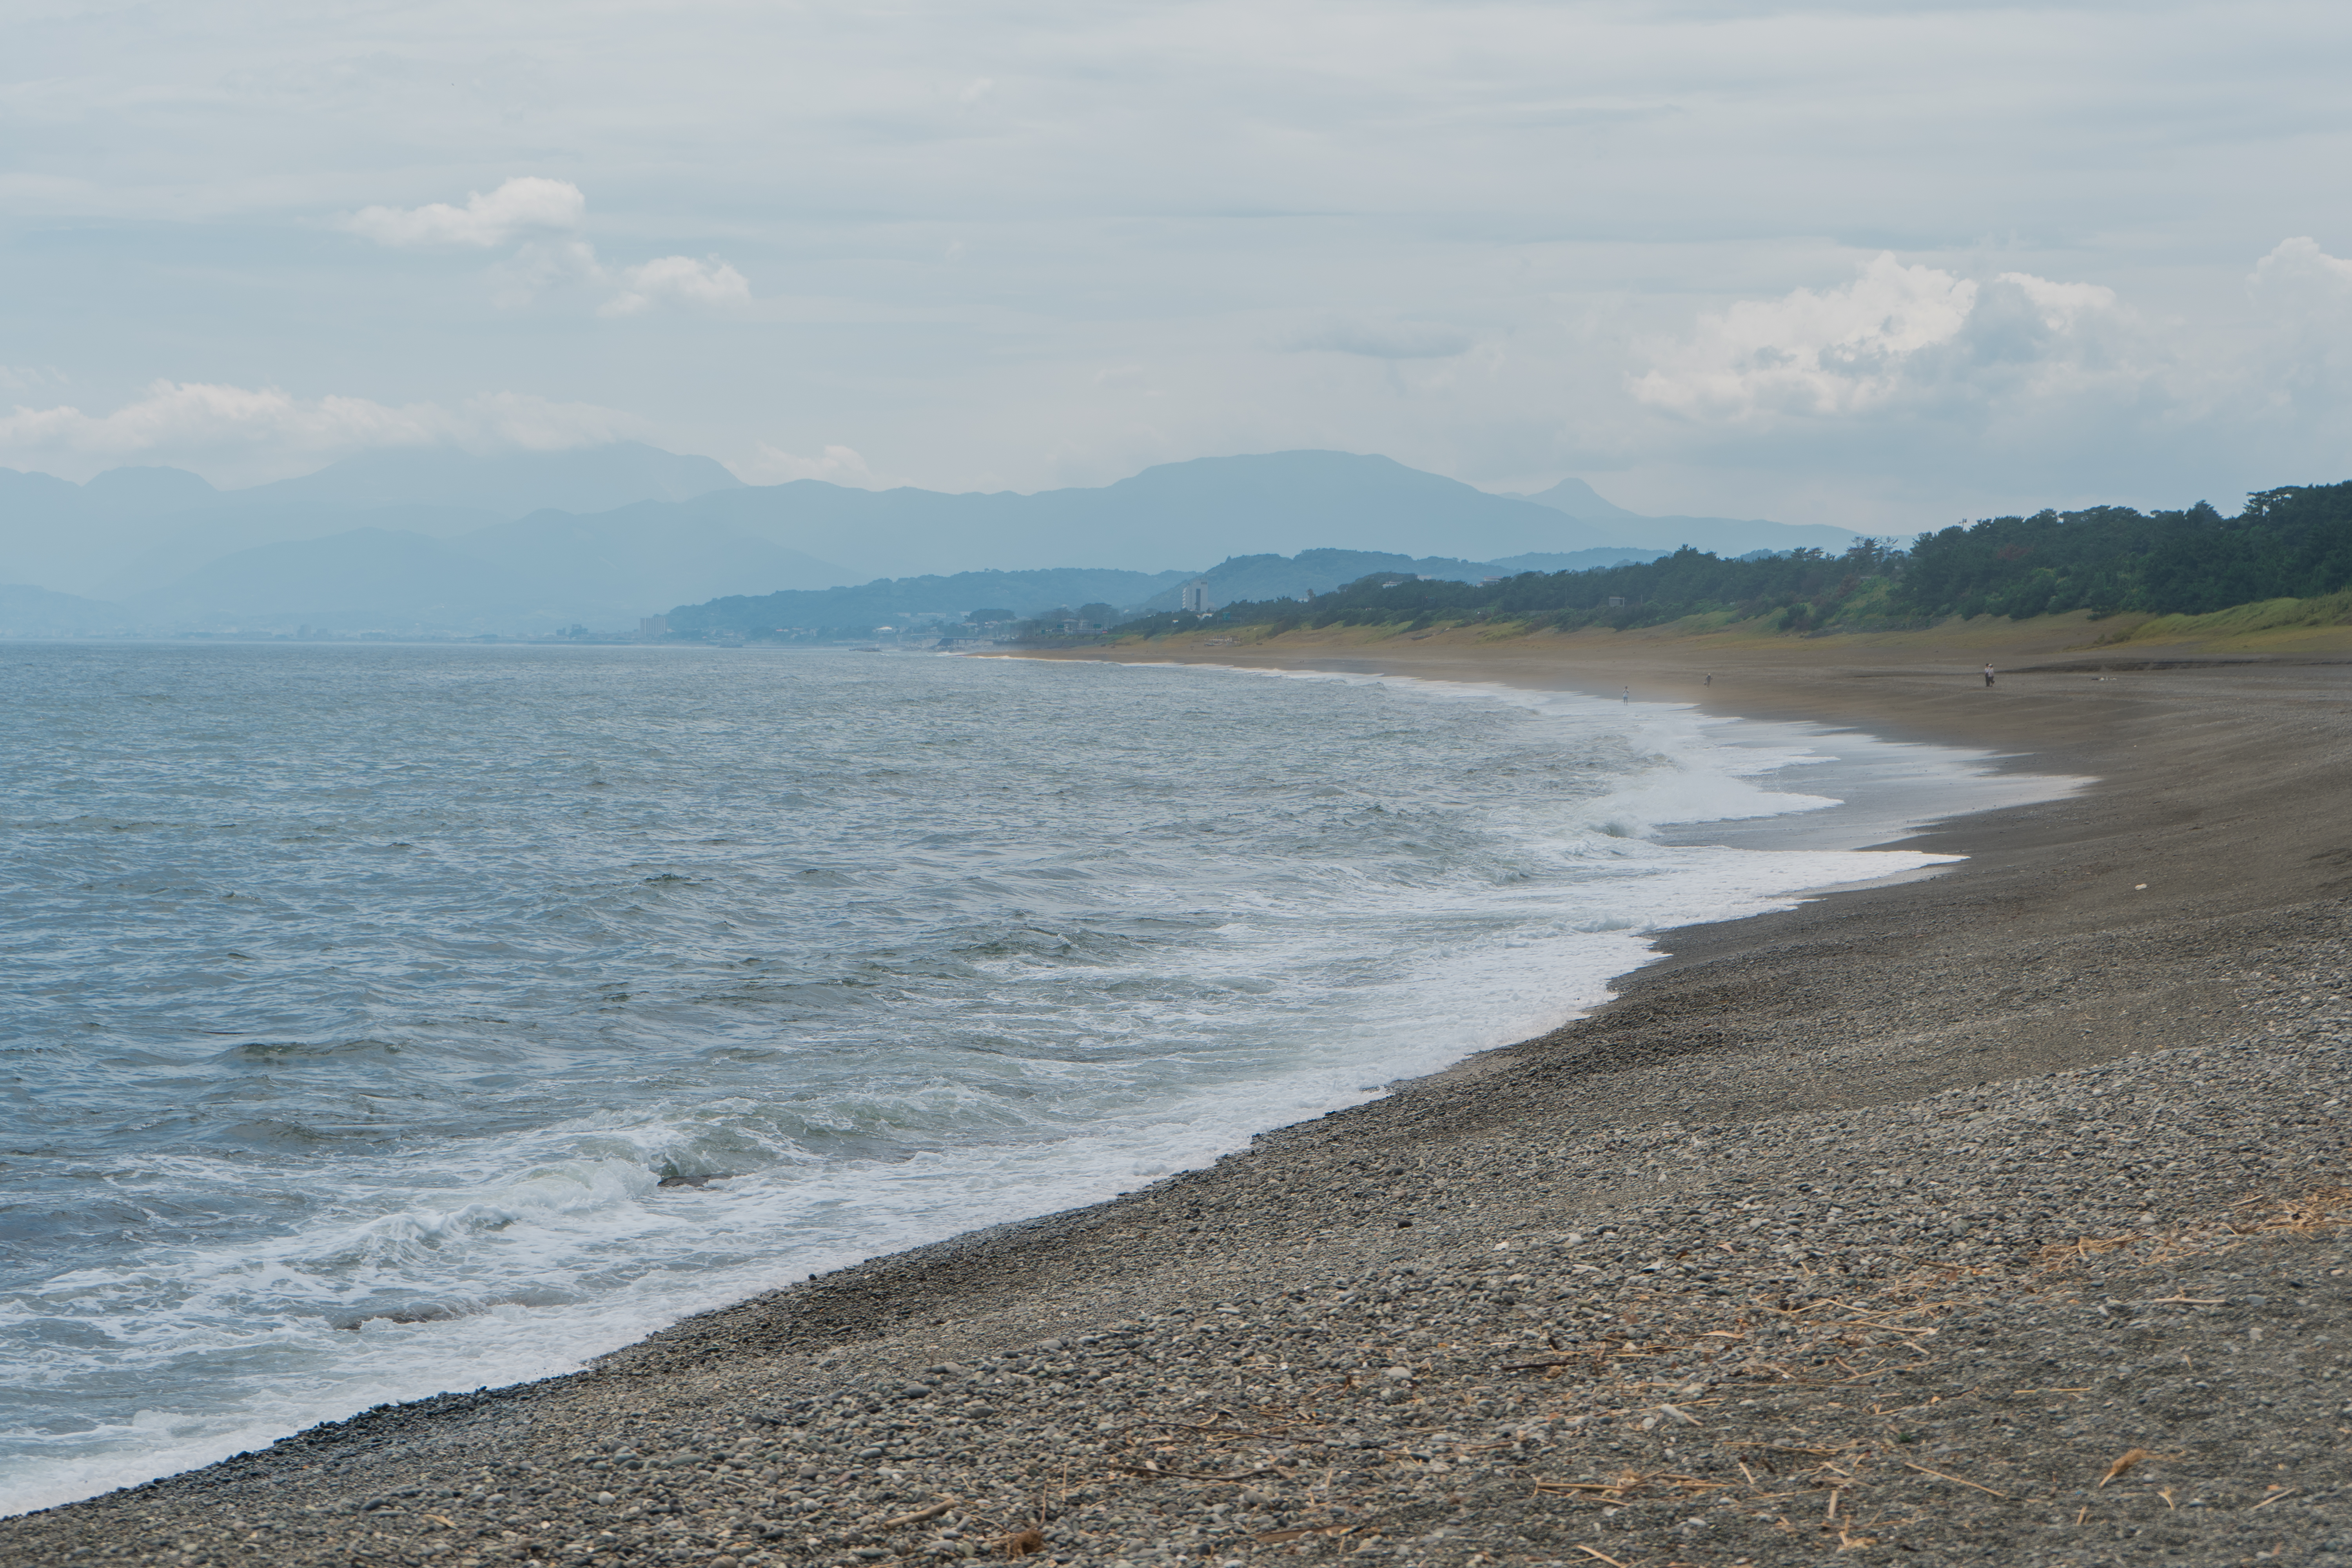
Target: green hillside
(2290, 543)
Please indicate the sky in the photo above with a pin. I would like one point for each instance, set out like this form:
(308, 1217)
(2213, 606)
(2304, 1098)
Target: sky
(1885, 266)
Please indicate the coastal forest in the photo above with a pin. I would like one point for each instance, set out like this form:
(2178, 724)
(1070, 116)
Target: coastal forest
(2293, 542)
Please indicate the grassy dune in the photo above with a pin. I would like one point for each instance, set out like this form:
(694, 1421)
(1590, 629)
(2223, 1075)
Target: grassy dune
(2330, 615)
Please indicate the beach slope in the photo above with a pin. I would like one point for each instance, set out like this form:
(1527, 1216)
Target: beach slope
(1991, 1217)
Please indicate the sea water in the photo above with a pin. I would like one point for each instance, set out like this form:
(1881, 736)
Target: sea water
(363, 999)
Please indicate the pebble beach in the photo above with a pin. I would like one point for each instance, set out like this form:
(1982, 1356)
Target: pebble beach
(1996, 1216)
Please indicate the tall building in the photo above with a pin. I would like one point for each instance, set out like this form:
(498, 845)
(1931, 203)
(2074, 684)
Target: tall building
(1196, 597)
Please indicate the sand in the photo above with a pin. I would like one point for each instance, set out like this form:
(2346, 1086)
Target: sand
(1887, 1226)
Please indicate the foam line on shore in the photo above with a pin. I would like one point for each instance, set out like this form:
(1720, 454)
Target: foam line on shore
(1621, 944)
(2114, 920)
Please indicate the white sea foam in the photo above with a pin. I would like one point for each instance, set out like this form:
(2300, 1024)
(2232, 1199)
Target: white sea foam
(963, 987)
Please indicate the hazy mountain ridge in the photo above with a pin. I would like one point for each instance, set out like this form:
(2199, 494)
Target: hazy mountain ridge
(533, 574)
(1257, 577)
(1173, 515)
(129, 531)
(1723, 535)
(890, 600)
(29, 612)
(1032, 595)
(441, 540)
(1578, 498)
(363, 579)
(1166, 518)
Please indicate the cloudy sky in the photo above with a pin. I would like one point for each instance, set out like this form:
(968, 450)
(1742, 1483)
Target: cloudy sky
(1882, 265)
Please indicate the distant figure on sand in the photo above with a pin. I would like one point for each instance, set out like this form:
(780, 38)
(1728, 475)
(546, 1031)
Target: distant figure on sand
(1708, 679)
(1629, 694)
(1988, 675)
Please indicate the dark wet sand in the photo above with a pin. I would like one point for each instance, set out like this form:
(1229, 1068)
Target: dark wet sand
(1818, 1104)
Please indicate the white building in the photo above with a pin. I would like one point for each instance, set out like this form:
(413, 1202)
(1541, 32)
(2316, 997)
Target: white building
(1196, 597)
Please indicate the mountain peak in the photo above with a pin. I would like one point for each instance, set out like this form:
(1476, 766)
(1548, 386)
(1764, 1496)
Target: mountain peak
(1577, 498)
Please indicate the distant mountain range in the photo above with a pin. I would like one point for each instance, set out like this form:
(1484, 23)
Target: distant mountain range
(132, 530)
(1724, 535)
(425, 541)
(893, 601)
(1243, 577)
(1178, 515)
(547, 570)
(28, 612)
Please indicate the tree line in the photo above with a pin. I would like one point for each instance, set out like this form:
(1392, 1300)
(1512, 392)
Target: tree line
(2291, 542)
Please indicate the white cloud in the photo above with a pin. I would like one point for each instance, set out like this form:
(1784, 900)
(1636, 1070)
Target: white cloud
(774, 466)
(2299, 276)
(1896, 333)
(1154, 185)
(234, 434)
(1834, 351)
(2301, 256)
(709, 283)
(525, 206)
(180, 415)
(540, 218)
(2060, 305)
(2303, 334)
(28, 378)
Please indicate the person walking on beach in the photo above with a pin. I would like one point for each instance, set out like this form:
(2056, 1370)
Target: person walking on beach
(1629, 694)
(1988, 675)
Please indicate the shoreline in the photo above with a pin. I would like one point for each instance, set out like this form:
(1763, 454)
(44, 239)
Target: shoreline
(1862, 819)
(1855, 1008)
(1490, 1015)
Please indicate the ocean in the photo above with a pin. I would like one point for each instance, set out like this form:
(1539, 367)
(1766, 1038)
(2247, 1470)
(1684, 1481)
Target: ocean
(383, 1020)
